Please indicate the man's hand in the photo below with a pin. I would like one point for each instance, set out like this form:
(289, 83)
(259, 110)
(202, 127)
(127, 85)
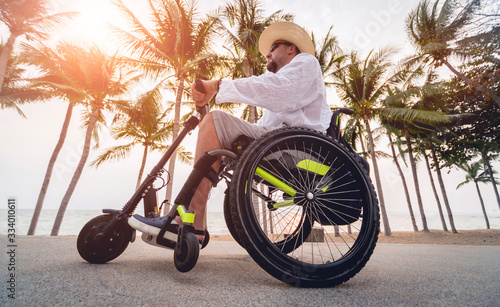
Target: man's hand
(210, 87)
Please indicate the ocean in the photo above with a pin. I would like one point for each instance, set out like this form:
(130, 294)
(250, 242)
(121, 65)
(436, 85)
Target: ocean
(75, 219)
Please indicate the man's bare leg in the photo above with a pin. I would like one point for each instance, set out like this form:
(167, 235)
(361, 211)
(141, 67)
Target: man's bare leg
(207, 141)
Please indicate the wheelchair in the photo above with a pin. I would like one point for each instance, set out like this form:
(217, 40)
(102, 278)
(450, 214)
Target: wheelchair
(299, 201)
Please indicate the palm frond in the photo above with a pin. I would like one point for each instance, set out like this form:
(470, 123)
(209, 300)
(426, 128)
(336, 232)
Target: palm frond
(412, 115)
(113, 154)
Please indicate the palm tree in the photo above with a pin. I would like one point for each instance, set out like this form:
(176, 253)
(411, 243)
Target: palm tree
(362, 85)
(50, 168)
(58, 72)
(433, 185)
(475, 174)
(401, 175)
(178, 47)
(416, 181)
(393, 127)
(28, 18)
(416, 129)
(245, 22)
(328, 53)
(477, 134)
(437, 33)
(422, 104)
(144, 123)
(490, 171)
(355, 131)
(443, 189)
(98, 78)
(16, 90)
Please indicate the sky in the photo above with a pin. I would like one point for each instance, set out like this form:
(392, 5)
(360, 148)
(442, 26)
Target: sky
(27, 143)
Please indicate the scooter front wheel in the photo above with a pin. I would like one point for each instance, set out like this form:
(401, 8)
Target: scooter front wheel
(107, 248)
(186, 252)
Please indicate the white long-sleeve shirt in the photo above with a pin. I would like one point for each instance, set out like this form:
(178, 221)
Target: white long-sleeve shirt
(294, 96)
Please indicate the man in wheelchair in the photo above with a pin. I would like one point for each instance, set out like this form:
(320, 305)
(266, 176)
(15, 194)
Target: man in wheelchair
(292, 93)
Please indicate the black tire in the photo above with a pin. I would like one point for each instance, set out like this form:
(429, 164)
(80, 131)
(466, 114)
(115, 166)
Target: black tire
(186, 254)
(229, 219)
(106, 249)
(333, 193)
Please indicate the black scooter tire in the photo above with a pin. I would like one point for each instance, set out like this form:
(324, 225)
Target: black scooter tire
(106, 249)
(186, 254)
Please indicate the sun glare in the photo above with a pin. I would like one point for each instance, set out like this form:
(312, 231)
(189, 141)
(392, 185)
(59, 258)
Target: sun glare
(92, 25)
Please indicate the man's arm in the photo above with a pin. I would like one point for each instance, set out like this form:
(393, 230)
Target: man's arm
(291, 88)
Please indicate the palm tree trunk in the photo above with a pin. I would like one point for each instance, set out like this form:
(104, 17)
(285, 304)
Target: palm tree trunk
(443, 190)
(5, 56)
(175, 133)
(405, 186)
(252, 110)
(143, 165)
(415, 181)
(486, 162)
(78, 172)
(252, 116)
(468, 81)
(363, 149)
(385, 219)
(482, 205)
(440, 209)
(48, 173)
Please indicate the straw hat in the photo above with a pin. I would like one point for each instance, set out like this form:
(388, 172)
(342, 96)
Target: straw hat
(286, 31)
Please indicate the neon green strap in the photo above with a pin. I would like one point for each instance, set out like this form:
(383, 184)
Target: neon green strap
(315, 167)
(187, 216)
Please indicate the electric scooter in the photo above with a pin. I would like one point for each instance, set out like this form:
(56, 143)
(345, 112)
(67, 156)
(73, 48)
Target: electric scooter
(105, 237)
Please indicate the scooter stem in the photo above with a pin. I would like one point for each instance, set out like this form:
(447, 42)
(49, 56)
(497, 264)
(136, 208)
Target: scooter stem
(147, 184)
(189, 125)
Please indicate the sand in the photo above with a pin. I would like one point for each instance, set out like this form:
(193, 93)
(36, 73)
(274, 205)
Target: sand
(463, 237)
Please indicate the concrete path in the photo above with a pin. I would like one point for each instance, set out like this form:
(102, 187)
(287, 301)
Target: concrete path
(49, 272)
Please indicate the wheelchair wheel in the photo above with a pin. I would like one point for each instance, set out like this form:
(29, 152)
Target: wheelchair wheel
(304, 208)
(106, 249)
(229, 220)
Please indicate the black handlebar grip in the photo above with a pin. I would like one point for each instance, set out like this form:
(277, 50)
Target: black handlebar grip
(198, 85)
(347, 111)
(203, 110)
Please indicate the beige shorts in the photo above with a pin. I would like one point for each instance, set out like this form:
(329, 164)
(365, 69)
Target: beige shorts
(230, 127)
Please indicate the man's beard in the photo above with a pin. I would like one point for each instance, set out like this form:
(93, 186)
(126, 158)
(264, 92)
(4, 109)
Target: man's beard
(272, 66)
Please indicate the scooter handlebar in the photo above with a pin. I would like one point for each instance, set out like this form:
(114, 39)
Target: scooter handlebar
(202, 110)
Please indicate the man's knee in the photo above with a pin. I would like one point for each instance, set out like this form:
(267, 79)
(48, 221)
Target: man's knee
(207, 134)
(207, 122)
